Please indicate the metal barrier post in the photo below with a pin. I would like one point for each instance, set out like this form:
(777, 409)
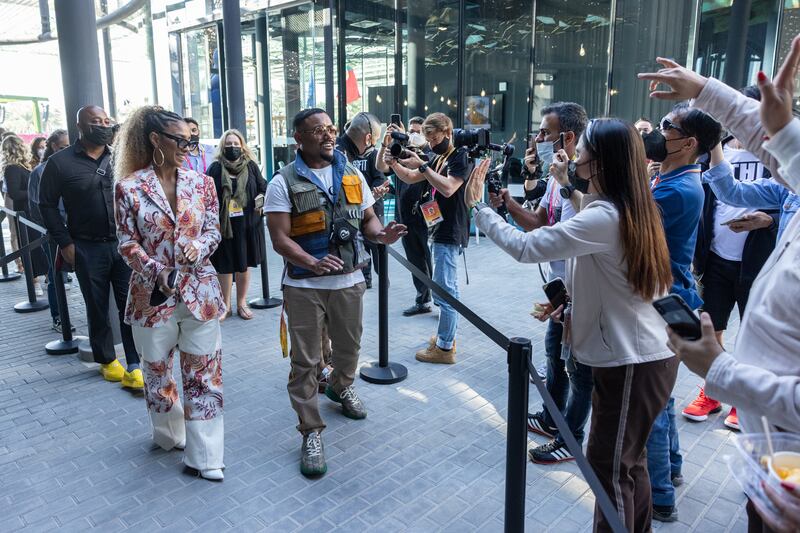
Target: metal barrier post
(265, 302)
(383, 372)
(68, 343)
(519, 351)
(32, 305)
(5, 275)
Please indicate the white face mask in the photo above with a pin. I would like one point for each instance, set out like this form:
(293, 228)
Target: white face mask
(40, 152)
(546, 155)
(416, 140)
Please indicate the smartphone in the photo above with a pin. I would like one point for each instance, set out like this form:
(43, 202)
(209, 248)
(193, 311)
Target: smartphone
(680, 317)
(556, 292)
(560, 141)
(532, 140)
(259, 201)
(733, 221)
(396, 119)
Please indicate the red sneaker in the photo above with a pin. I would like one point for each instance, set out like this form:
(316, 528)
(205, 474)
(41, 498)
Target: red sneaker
(701, 407)
(732, 420)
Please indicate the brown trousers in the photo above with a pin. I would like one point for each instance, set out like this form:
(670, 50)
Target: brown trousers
(625, 403)
(310, 311)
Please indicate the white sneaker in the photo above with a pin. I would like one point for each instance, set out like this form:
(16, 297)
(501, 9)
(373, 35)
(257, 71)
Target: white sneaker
(212, 475)
(37, 287)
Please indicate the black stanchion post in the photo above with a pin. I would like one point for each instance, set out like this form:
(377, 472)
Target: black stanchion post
(519, 350)
(68, 343)
(32, 305)
(265, 302)
(5, 275)
(383, 372)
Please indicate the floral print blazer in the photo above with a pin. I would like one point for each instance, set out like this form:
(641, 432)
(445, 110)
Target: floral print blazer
(148, 231)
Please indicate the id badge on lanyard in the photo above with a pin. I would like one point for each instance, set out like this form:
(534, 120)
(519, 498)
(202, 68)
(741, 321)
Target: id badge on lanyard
(431, 211)
(234, 209)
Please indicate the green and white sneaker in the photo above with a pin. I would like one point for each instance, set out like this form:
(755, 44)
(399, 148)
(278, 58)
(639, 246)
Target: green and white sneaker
(312, 461)
(352, 407)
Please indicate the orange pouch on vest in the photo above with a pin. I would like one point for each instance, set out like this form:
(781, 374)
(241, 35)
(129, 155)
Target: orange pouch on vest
(352, 189)
(311, 222)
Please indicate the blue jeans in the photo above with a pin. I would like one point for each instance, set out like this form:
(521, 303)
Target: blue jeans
(445, 273)
(664, 455)
(569, 383)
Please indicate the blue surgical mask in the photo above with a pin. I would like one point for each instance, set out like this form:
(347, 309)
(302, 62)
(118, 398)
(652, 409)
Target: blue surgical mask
(546, 154)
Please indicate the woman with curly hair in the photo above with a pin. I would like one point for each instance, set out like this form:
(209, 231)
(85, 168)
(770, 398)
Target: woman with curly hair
(168, 227)
(17, 172)
(238, 182)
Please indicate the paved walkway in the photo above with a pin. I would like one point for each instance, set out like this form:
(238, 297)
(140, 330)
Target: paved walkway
(76, 453)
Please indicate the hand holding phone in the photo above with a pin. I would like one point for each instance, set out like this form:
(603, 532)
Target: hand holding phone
(556, 293)
(395, 119)
(680, 317)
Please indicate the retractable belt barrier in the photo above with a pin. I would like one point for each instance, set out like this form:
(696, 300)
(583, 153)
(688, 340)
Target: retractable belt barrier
(520, 367)
(24, 252)
(4, 273)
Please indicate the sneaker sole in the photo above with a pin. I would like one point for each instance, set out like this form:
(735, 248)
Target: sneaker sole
(313, 473)
(541, 432)
(734, 427)
(434, 361)
(701, 418)
(555, 461)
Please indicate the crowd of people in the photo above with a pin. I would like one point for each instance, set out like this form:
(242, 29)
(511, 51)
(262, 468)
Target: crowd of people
(700, 205)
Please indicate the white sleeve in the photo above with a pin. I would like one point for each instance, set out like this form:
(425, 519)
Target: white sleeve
(277, 200)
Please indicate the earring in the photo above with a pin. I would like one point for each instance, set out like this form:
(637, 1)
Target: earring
(162, 157)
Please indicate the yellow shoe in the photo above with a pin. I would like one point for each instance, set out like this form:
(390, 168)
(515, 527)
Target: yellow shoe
(113, 371)
(133, 380)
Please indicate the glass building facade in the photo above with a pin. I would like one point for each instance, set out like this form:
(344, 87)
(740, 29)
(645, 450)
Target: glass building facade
(489, 63)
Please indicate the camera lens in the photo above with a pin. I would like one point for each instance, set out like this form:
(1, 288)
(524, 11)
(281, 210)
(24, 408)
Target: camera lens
(396, 149)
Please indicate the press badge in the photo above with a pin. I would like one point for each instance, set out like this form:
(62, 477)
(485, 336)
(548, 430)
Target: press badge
(234, 209)
(431, 213)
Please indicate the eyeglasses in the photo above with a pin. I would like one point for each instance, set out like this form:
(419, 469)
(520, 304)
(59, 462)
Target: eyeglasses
(319, 131)
(182, 143)
(667, 124)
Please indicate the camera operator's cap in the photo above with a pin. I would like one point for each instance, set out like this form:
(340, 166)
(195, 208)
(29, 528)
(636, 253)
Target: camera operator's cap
(364, 123)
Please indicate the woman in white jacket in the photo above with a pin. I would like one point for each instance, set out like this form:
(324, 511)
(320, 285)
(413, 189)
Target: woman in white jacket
(762, 374)
(618, 263)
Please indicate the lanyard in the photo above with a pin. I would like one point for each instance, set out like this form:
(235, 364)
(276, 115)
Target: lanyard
(440, 164)
(551, 212)
(189, 160)
(657, 179)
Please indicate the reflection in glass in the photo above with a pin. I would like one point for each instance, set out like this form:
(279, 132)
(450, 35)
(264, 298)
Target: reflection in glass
(640, 35)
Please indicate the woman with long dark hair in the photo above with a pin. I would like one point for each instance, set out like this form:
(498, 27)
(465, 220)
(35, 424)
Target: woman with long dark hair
(168, 227)
(618, 263)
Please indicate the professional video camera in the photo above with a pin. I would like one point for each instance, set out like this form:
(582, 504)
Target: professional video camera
(400, 149)
(475, 140)
(477, 143)
(494, 179)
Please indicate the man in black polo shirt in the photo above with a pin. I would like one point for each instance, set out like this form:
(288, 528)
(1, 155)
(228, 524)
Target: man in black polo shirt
(81, 176)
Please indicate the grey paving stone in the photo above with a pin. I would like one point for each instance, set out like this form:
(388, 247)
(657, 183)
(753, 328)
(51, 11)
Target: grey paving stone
(76, 451)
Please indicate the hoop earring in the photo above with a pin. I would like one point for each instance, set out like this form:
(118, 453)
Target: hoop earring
(162, 157)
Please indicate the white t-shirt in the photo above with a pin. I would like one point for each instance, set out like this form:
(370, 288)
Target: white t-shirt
(552, 202)
(277, 201)
(726, 243)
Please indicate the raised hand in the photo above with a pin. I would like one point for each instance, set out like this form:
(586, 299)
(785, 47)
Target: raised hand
(474, 191)
(684, 84)
(776, 96)
(391, 232)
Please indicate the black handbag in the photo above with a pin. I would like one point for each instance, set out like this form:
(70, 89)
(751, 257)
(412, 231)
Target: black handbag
(157, 297)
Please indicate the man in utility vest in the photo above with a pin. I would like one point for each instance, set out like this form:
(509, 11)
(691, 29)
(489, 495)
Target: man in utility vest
(317, 207)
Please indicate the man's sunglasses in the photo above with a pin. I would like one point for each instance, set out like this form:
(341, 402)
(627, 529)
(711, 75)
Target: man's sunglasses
(319, 131)
(182, 143)
(667, 124)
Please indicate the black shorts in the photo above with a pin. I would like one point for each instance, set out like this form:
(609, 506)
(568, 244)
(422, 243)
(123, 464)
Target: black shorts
(721, 290)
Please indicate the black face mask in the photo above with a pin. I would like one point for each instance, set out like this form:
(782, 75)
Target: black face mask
(99, 135)
(194, 138)
(580, 184)
(655, 146)
(442, 147)
(232, 153)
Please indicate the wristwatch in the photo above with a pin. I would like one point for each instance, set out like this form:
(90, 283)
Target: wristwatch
(566, 191)
(422, 168)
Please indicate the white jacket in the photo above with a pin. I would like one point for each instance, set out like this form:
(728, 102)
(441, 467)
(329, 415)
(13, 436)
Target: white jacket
(762, 376)
(611, 324)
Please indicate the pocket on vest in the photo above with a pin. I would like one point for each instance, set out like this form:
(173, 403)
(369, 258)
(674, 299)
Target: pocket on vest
(305, 197)
(305, 223)
(352, 189)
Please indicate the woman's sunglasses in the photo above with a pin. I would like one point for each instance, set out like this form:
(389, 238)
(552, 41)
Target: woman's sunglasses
(182, 143)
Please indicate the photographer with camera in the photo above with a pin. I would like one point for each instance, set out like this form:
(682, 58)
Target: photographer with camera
(358, 144)
(443, 208)
(415, 242)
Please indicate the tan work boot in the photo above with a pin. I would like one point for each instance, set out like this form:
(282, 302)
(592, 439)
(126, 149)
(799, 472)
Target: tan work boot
(432, 342)
(434, 354)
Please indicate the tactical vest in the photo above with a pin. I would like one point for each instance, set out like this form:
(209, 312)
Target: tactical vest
(313, 216)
